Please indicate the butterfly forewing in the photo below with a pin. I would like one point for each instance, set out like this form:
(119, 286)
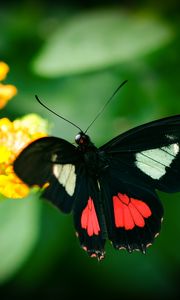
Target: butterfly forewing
(150, 153)
(152, 135)
(54, 162)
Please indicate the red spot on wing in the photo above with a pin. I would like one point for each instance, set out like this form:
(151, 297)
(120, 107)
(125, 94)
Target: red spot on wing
(124, 198)
(129, 212)
(137, 217)
(142, 207)
(119, 215)
(128, 219)
(89, 220)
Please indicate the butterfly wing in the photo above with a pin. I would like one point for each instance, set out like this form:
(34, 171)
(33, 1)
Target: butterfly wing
(89, 217)
(133, 212)
(140, 161)
(53, 161)
(56, 162)
(149, 153)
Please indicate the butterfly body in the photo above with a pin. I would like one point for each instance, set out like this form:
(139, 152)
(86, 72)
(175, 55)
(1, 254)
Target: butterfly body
(110, 190)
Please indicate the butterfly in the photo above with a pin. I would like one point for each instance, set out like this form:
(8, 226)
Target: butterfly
(110, 190)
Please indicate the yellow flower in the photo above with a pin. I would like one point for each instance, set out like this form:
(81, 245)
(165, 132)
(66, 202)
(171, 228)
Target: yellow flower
(4, 69)
(11, 186)
(14, 136)
(7, 91)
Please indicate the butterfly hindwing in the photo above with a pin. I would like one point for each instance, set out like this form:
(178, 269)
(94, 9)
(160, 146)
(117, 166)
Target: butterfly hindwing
(133, 213)
(88, 217)
(50, 161)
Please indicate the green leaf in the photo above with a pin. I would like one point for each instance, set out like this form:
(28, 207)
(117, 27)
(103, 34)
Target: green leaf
(53, 243)
(94, 40)
(19, 223)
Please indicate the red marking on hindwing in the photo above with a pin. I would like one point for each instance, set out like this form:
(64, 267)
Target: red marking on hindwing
(130, 212)
(89, 220)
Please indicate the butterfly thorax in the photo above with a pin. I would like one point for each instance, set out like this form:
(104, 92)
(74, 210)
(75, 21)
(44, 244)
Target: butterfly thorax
(94, 160)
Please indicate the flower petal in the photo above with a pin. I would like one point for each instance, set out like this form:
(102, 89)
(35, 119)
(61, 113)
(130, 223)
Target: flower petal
(4, 69)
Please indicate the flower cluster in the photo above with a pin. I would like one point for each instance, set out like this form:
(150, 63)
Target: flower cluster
(14, 136)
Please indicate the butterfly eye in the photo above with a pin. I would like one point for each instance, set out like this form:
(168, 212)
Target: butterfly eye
(78, 138)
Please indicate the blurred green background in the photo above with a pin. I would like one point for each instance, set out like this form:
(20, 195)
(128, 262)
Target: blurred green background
(74, 54)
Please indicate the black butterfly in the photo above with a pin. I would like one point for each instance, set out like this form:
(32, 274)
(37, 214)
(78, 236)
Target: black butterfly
(111, 190)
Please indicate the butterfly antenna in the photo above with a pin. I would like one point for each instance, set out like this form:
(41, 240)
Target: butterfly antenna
(56, 113)
(108, 101)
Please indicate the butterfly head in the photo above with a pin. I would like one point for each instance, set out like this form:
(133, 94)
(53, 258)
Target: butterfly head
(82, 139)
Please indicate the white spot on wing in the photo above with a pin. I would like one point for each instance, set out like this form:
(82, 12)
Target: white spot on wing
(172, 149)
(66, 176)
(154, 162)
(176, 148)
